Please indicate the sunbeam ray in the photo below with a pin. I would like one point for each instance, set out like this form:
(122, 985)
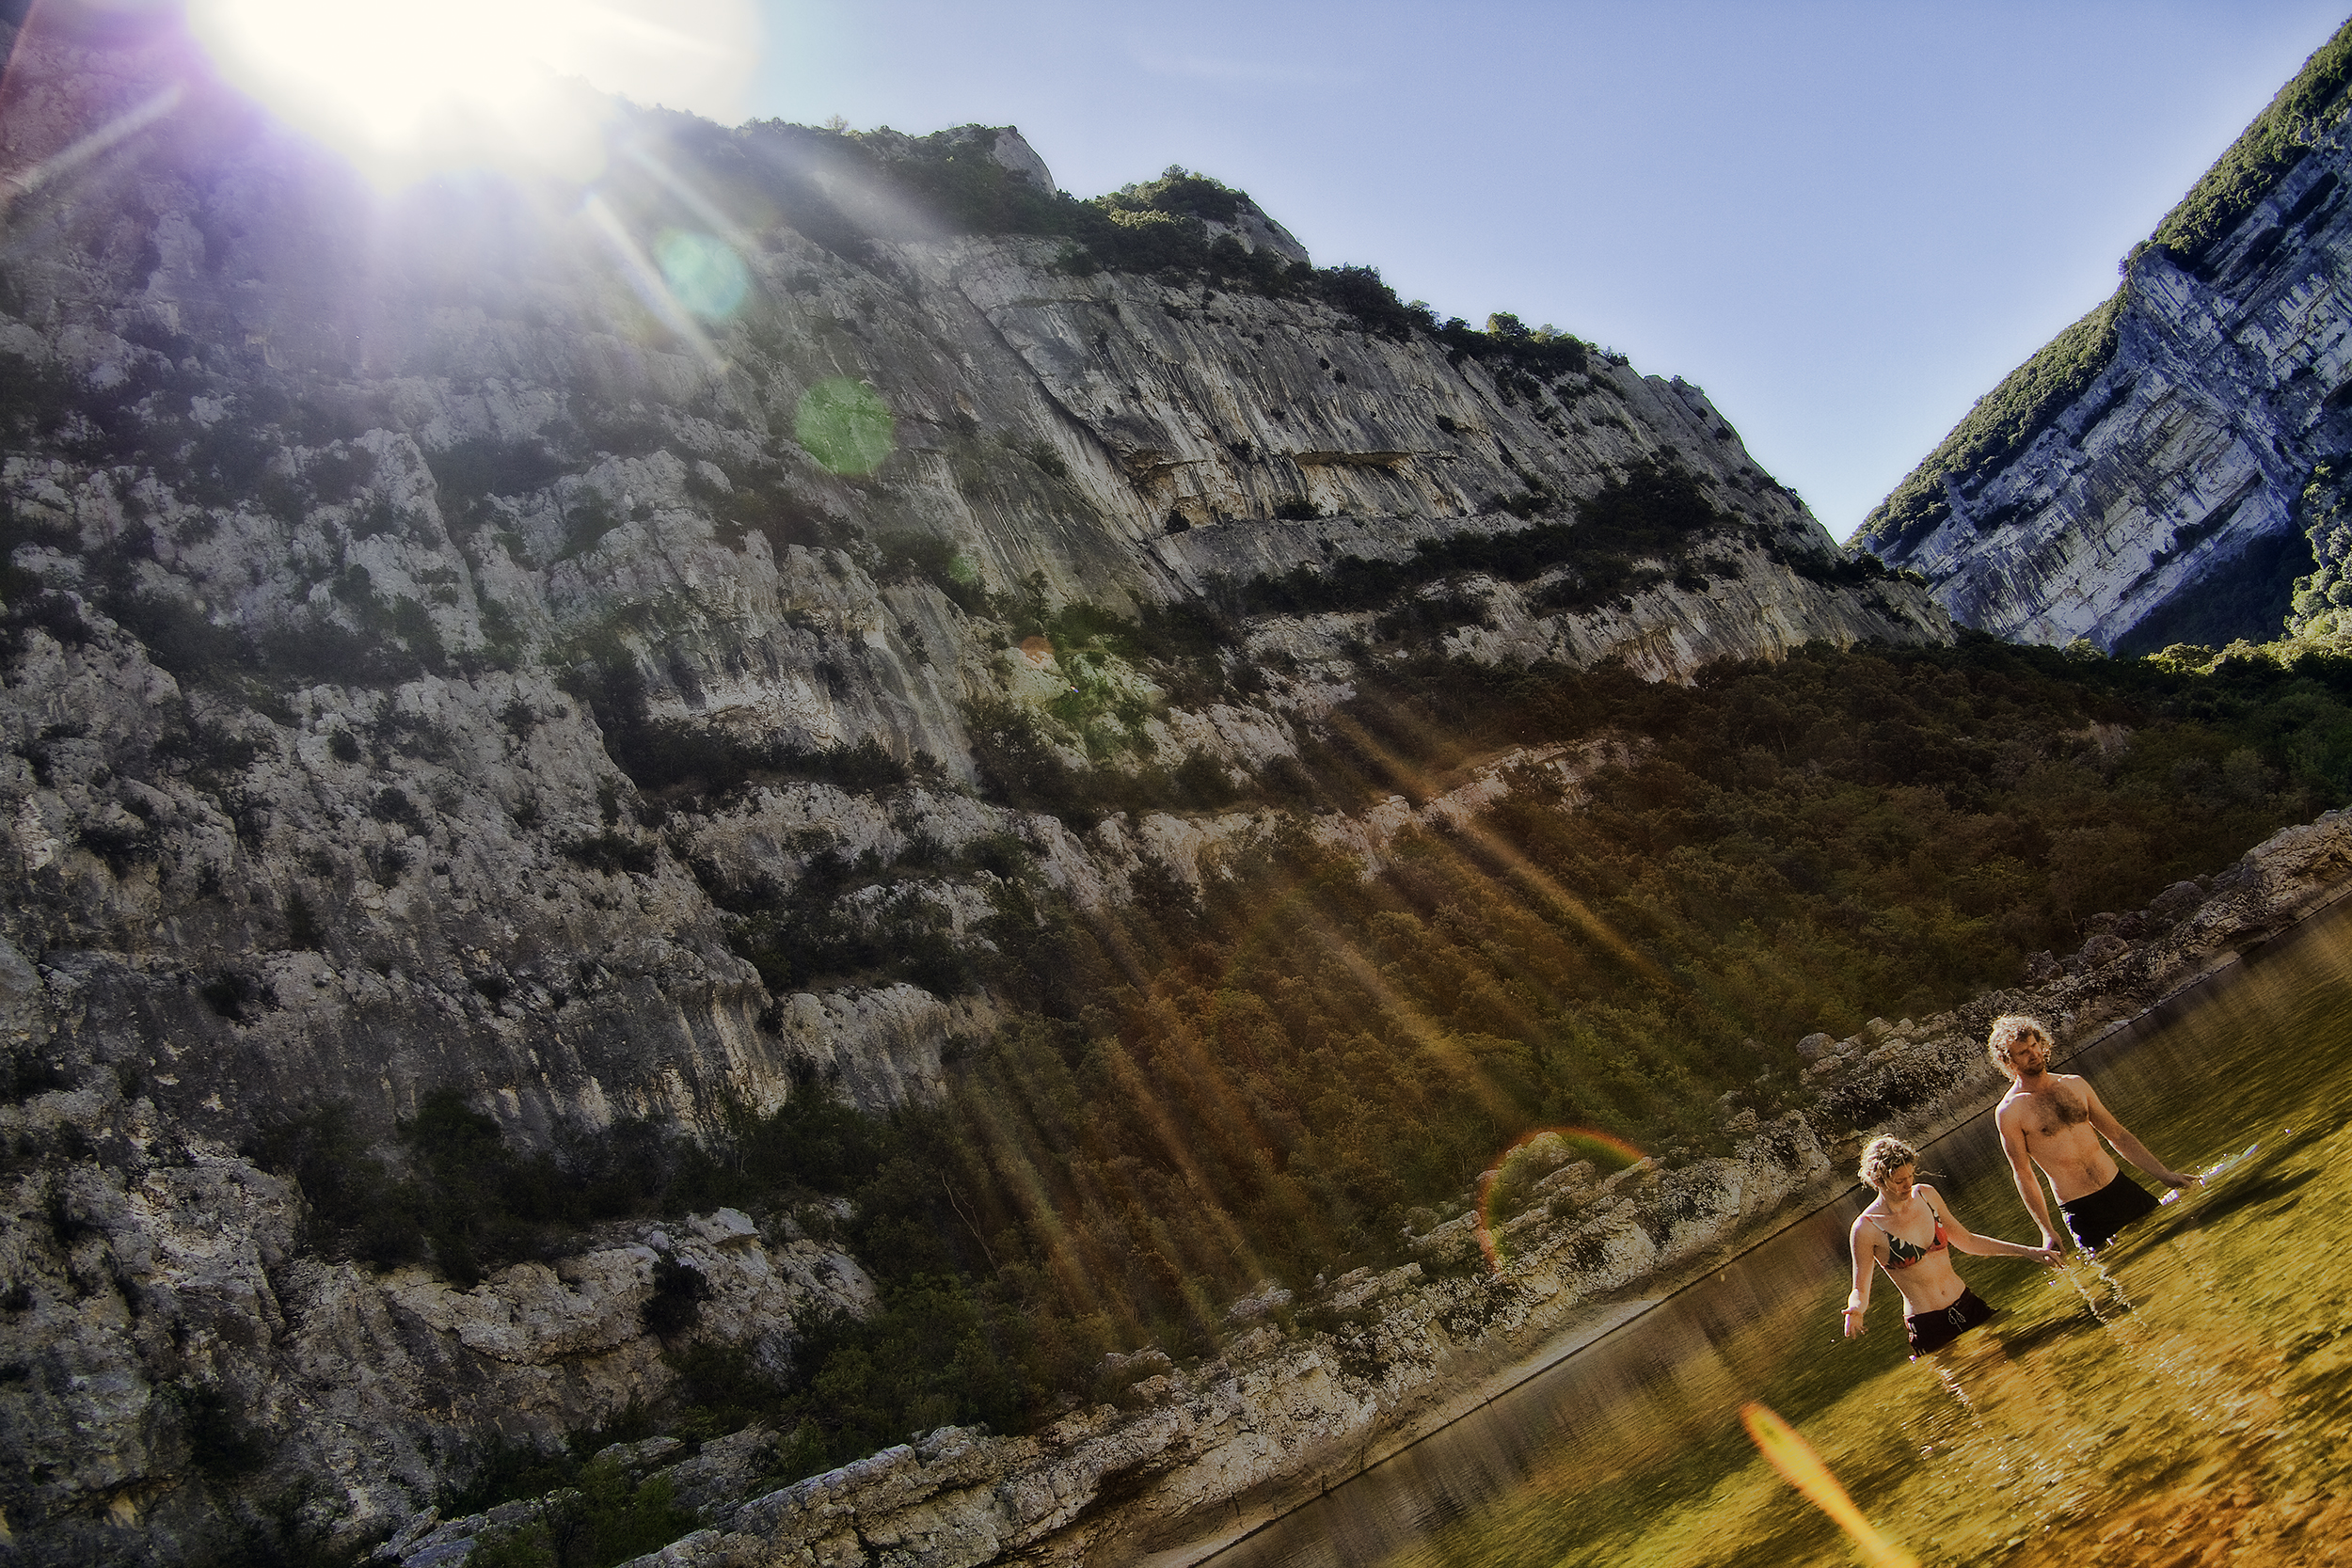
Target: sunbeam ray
(646, 277)
(25, 181)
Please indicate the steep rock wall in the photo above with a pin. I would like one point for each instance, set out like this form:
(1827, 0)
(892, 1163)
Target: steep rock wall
(372, 560)
(333, 499)
(2143, 481)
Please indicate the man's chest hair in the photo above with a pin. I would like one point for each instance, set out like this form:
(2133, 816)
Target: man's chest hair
(2051, 1111)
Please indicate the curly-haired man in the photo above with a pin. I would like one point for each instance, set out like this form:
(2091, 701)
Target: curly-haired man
(2054, 1120)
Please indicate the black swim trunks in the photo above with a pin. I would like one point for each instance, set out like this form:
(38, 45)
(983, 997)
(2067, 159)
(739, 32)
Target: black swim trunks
(1939, 1326)
(2095, 1217)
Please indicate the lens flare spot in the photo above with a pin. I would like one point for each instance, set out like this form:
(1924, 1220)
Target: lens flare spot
(1794, 1458)
(704, 273)
(1038, 651)
(845, 425)
(1510, 1185)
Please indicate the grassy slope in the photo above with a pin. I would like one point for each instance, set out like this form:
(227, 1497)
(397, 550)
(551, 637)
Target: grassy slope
(2030, 397)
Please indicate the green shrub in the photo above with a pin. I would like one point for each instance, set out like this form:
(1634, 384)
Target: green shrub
(613, 853)
(303, 931)
(482, 466)
(676, 1304)
(601, 1520)
(587, 518)
(2305, 108)
(926, 557)
(223, 1446)
(799, 941)
(1657, 510)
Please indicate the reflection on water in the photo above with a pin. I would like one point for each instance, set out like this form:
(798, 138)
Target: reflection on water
(2181, 1400)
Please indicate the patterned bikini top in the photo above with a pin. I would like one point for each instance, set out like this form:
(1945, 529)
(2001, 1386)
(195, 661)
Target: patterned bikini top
(1902, 1254)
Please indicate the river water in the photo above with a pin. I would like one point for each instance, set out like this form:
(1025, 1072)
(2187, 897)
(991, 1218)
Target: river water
(2184, 1398)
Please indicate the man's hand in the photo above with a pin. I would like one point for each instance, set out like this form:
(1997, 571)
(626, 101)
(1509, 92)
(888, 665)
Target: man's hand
(2175, 1180)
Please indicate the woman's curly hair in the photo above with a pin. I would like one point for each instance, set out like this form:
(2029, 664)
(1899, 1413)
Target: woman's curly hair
(1884, 1155)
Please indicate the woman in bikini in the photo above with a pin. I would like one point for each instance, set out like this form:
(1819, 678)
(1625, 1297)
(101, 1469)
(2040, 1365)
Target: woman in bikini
(1910, 1232)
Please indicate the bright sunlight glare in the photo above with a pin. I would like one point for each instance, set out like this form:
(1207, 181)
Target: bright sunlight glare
(407, 89)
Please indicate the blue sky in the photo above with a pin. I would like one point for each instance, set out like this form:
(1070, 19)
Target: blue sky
(1846, 220)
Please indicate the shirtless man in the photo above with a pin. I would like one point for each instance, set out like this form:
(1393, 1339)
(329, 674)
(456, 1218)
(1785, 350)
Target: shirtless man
(2054, 1120)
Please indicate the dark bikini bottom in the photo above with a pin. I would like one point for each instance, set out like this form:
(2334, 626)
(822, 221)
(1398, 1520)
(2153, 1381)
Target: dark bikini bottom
(1939, 1326)
(2095, 1217)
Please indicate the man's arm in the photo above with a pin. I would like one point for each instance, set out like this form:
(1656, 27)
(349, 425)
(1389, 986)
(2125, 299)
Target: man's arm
(2130, 1146)
(2028, 1186)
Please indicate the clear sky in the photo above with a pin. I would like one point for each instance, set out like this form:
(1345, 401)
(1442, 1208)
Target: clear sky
(1847, 220)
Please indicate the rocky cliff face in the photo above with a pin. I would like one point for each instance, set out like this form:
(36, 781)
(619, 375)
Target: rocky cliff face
(2159, 472)
(438, 623)
(347, 532)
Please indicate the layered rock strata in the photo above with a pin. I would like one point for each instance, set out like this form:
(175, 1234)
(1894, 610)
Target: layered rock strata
(2157, 473)
(351, 527)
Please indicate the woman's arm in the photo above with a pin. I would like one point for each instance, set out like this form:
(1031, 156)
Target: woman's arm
(1865, 1250)
(1964, 1240)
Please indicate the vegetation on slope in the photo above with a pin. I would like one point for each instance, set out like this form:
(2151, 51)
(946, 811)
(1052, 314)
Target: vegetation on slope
(2311, 105)
(1158, 227)
(1271, 1077)
(2032, 397)
(2002, 423)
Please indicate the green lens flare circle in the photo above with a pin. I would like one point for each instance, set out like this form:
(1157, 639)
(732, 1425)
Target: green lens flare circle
(845, 425)
(704, 273)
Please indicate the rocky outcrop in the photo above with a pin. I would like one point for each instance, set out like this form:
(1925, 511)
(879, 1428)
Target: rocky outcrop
(2157, 473)
(169, 1324)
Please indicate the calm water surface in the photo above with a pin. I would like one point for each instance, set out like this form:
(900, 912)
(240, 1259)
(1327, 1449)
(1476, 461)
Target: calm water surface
(2186, 1399)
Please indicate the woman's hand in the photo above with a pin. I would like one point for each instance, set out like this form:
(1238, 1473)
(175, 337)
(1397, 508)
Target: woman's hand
(1854, 1322)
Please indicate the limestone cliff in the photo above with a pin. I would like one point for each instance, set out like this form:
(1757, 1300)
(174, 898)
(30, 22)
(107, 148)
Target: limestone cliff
(2168, 468)
(347, 533)
(438, 623)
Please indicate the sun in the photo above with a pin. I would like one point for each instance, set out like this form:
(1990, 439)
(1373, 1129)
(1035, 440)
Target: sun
(410, 88)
